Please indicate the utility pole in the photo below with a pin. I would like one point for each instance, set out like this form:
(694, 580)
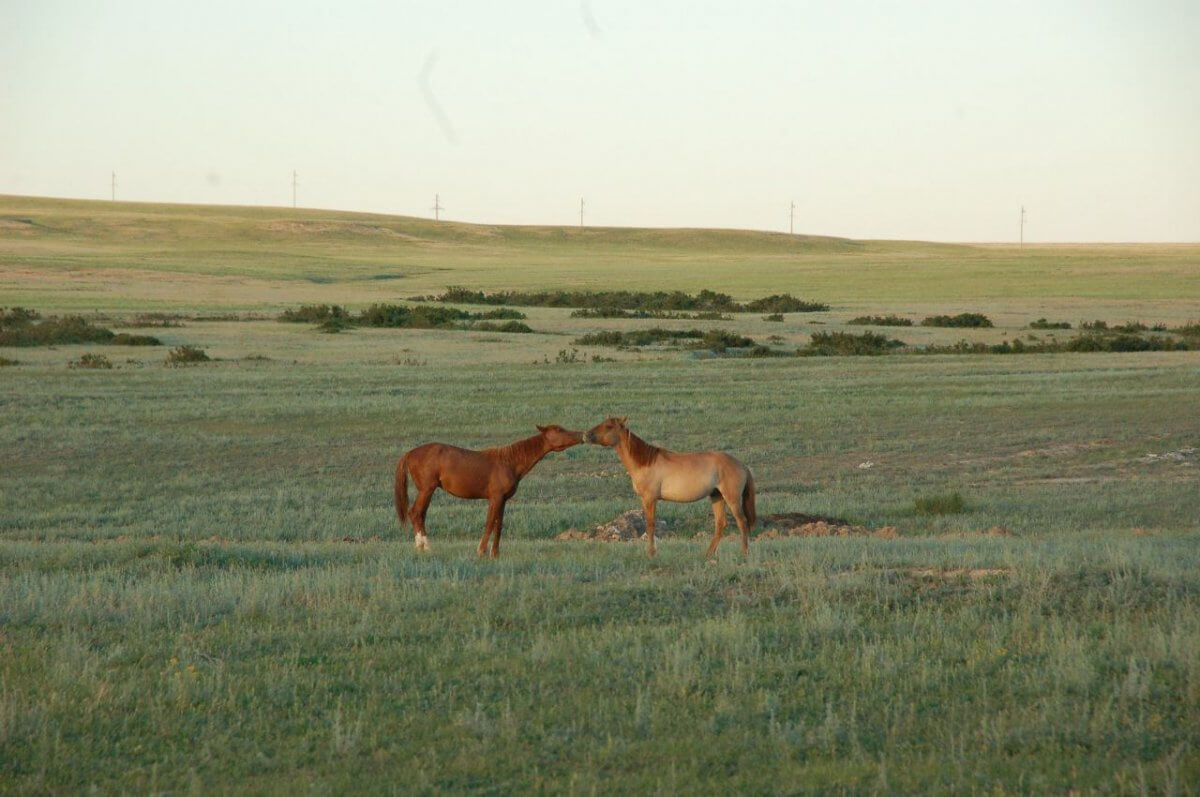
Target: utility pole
(114, 186)
(1022, 225)
(792, 220)
(580, 211)
(437, 207)
(293, 188)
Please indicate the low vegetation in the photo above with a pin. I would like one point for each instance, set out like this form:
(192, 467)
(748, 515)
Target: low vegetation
(91, 360)
(616, 312)
(960, 320)
(335, 318)
(187, 355)
(1042, 323)
(828, 344)
(881, 321)
(939, 504)
(630, 300)
(717, 340)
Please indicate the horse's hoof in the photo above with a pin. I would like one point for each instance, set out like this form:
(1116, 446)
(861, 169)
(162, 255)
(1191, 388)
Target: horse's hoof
(421, 542)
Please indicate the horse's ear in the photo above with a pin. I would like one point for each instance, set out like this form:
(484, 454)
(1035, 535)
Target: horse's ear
(624, 419)
(543, 429)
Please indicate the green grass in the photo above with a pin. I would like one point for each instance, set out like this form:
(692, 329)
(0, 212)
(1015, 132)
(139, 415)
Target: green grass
(203, 587)
(121, 256)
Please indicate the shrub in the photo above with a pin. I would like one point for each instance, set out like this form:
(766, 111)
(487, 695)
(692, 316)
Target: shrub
(1131, 327)
(1191, 329)
(501, 314)
(960, 320)
(187, 355)
(845, 343)
(5, 362)
(773, 317)
(17, 316)
(125, 339)
(719, 340)
(507, 326)
(53, 331)
(314, 314)
(881, 321)
(423, 316)
(783, 303)
(1042, 323)
(948, 504)
(334, 325)
(90, 360)
(1093, 325)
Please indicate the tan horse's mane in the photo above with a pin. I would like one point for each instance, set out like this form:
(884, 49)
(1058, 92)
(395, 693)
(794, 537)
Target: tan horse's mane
(522, 453)
(639, 450)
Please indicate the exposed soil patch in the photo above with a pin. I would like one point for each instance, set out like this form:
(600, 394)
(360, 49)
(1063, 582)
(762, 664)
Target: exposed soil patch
(625, 527)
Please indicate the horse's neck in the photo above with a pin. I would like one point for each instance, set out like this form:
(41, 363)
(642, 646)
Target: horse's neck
(636, 453)
(523, 454)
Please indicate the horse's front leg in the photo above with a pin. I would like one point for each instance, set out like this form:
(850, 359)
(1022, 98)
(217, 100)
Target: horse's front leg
(648, 515)
(494, 507)
(497, 526)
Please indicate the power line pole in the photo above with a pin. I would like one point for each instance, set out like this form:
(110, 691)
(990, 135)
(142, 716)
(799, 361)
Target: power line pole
(792, 220)
(114, 186)
(580, 211)
(437, 207)
(1022, 225)
(293, 188)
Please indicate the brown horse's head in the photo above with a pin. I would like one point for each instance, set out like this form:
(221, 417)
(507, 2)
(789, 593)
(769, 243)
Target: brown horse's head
(607, 433)
(559, 438)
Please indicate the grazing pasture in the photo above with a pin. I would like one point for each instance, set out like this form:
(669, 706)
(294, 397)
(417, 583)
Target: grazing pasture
(203, 585)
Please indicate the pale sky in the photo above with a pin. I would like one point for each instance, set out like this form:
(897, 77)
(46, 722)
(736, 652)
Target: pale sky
(922, 120)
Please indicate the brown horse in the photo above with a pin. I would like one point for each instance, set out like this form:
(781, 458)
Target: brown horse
(659, 474)
(492, 474)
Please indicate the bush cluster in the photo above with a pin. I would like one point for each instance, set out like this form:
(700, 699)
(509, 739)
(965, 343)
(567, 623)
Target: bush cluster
(960, 320)
(1042, 323)
(22, 327)
(631, 300)
(335, 318)
(187, 355)
(828, 344)
(881, 321)
(616, 312)
(717, 340)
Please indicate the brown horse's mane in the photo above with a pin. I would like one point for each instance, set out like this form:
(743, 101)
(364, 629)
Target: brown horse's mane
(521, 454)
(640, 451)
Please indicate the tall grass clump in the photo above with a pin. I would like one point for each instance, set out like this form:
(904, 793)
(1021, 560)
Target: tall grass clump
(187, 355)
(315, 314)
(91, 360)
(947, 504)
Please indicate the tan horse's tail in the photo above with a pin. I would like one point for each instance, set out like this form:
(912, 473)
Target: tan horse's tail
(748, 499)
(402, 490)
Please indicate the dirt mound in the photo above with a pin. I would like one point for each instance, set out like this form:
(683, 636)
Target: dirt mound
(631, 526)
(625, 527)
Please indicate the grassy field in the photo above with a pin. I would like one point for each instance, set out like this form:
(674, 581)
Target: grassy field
(203, 587)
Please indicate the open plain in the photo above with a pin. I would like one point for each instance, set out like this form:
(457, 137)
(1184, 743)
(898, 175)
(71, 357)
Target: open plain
(203, 586)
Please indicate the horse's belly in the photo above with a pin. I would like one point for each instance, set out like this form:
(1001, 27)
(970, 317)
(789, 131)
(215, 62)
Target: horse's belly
(685, 489)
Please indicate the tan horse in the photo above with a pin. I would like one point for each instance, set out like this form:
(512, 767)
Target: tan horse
(492, 473)
(658, 474)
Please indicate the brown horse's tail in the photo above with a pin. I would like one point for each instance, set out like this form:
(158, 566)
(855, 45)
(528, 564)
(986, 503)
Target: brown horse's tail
(748, 499)
(402, 490)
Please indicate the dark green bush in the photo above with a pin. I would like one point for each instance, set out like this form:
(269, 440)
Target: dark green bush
(783, 303)
(423, 316)
(17, 316)
(960, 320)
(125, 339)
(844, 343)
(5, 362)
(507, 326)
(881, 321)
(52, 331)
(1042, 323)
(314, 314)
(501, 314)
(773, 317)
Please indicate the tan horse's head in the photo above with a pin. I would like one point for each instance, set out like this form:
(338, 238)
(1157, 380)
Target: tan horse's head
(559, 438)
(607, 433)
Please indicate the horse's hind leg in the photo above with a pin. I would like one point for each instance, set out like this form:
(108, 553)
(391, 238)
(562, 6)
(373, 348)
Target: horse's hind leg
(417, 516)
(735, 506)
(718, 506)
